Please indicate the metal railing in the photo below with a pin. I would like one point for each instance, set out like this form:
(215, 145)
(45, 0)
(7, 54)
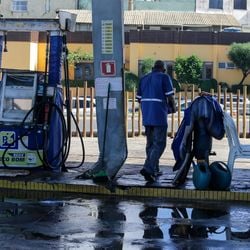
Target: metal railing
(238, 105)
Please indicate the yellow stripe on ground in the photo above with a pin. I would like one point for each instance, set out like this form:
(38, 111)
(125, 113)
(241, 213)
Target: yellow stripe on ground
(138, 191)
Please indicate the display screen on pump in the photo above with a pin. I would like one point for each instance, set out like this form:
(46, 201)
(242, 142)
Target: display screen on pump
(17, 93)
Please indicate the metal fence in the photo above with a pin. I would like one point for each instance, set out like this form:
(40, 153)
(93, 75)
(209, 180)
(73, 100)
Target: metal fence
(83, 107)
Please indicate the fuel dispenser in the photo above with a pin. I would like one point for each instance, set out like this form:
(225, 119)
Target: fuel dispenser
(33, 130)
(19, 130)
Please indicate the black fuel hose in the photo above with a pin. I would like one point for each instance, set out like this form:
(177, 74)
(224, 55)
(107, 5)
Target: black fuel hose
(63, 151)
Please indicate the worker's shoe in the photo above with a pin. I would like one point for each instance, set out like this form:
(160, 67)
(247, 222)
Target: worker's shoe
(158, 172)
(147, 176)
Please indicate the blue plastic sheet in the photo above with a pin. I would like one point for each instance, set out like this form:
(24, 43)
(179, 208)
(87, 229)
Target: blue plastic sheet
(55, 130)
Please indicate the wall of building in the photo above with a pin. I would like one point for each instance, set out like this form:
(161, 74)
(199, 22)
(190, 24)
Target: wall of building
(203, 6)
(169, 52)
(243, 16)
(209, 47)
(48, 8)
(167, 5)
(20, 55)
(36, 8)
(135, 52)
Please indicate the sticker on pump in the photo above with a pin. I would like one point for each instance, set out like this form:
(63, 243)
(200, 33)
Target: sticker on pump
(102, 83)
(108, 68)
(8, 139)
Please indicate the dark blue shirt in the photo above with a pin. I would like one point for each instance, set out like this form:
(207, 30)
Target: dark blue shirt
(152, 92)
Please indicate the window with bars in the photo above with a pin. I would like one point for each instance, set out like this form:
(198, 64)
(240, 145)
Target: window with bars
(207, 71)
(84, 4)
(226, 65)
(240, 4)
(216, 4)
(19, 5)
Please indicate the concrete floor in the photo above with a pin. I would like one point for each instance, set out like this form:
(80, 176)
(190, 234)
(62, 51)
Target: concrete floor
(64, 220)
(40, 221)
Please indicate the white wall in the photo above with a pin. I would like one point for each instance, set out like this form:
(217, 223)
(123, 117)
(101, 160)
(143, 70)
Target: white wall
(37, 8)
(243, 16)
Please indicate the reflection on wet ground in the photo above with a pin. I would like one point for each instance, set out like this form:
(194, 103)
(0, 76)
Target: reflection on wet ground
(112, 223)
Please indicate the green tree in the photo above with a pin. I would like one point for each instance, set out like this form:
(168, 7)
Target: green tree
(131, 81)
(188, 69)
(78, 56)
(239, 54)
(147, 65)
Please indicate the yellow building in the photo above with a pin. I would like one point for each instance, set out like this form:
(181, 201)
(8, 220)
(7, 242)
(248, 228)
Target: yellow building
(145, 38)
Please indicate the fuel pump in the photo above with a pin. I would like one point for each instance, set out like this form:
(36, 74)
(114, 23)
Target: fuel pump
(20, 126)
(33, 130)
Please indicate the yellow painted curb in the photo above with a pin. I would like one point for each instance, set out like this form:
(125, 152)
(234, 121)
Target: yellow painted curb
(132, 191)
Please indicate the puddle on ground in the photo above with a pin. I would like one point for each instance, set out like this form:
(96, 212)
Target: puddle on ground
(112, 223)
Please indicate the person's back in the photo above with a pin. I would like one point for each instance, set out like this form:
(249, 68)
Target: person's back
(154, 94)
(153, 90)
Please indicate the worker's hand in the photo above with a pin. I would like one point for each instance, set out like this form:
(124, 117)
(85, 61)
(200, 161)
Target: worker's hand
(171, 104)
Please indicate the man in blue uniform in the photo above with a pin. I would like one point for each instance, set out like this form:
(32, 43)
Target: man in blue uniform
(156, 96)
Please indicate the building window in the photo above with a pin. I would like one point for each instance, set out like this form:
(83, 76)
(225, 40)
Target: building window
(226, 65)
(240, 4)
(216, 4)
(84, 71)
(19, 5)
(140, 63)
(222, 65)
(207, 72)
(47, 6)
(169, 66)
(231, 65)
(84, 4)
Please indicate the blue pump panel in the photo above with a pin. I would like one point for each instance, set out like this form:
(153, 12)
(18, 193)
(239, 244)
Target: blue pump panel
(1, 48)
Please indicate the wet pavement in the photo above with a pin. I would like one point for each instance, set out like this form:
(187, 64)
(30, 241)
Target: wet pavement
(128, 180)
(54, 220)
(129, 173)
(85, 222)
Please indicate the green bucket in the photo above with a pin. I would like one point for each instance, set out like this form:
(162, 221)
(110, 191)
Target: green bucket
(201, 175)
(221, 176)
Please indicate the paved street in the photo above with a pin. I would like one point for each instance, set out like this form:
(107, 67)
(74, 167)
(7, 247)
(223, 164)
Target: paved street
(61, 220)
(136, 154)
(136, 151)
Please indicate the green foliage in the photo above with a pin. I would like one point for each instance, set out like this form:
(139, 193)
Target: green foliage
(239, 54)
(235, 87)
(224, 85)
(207, 85)
(79, 83)
(131, 81)
(147, 65)
(79, 56)
(188, 69)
